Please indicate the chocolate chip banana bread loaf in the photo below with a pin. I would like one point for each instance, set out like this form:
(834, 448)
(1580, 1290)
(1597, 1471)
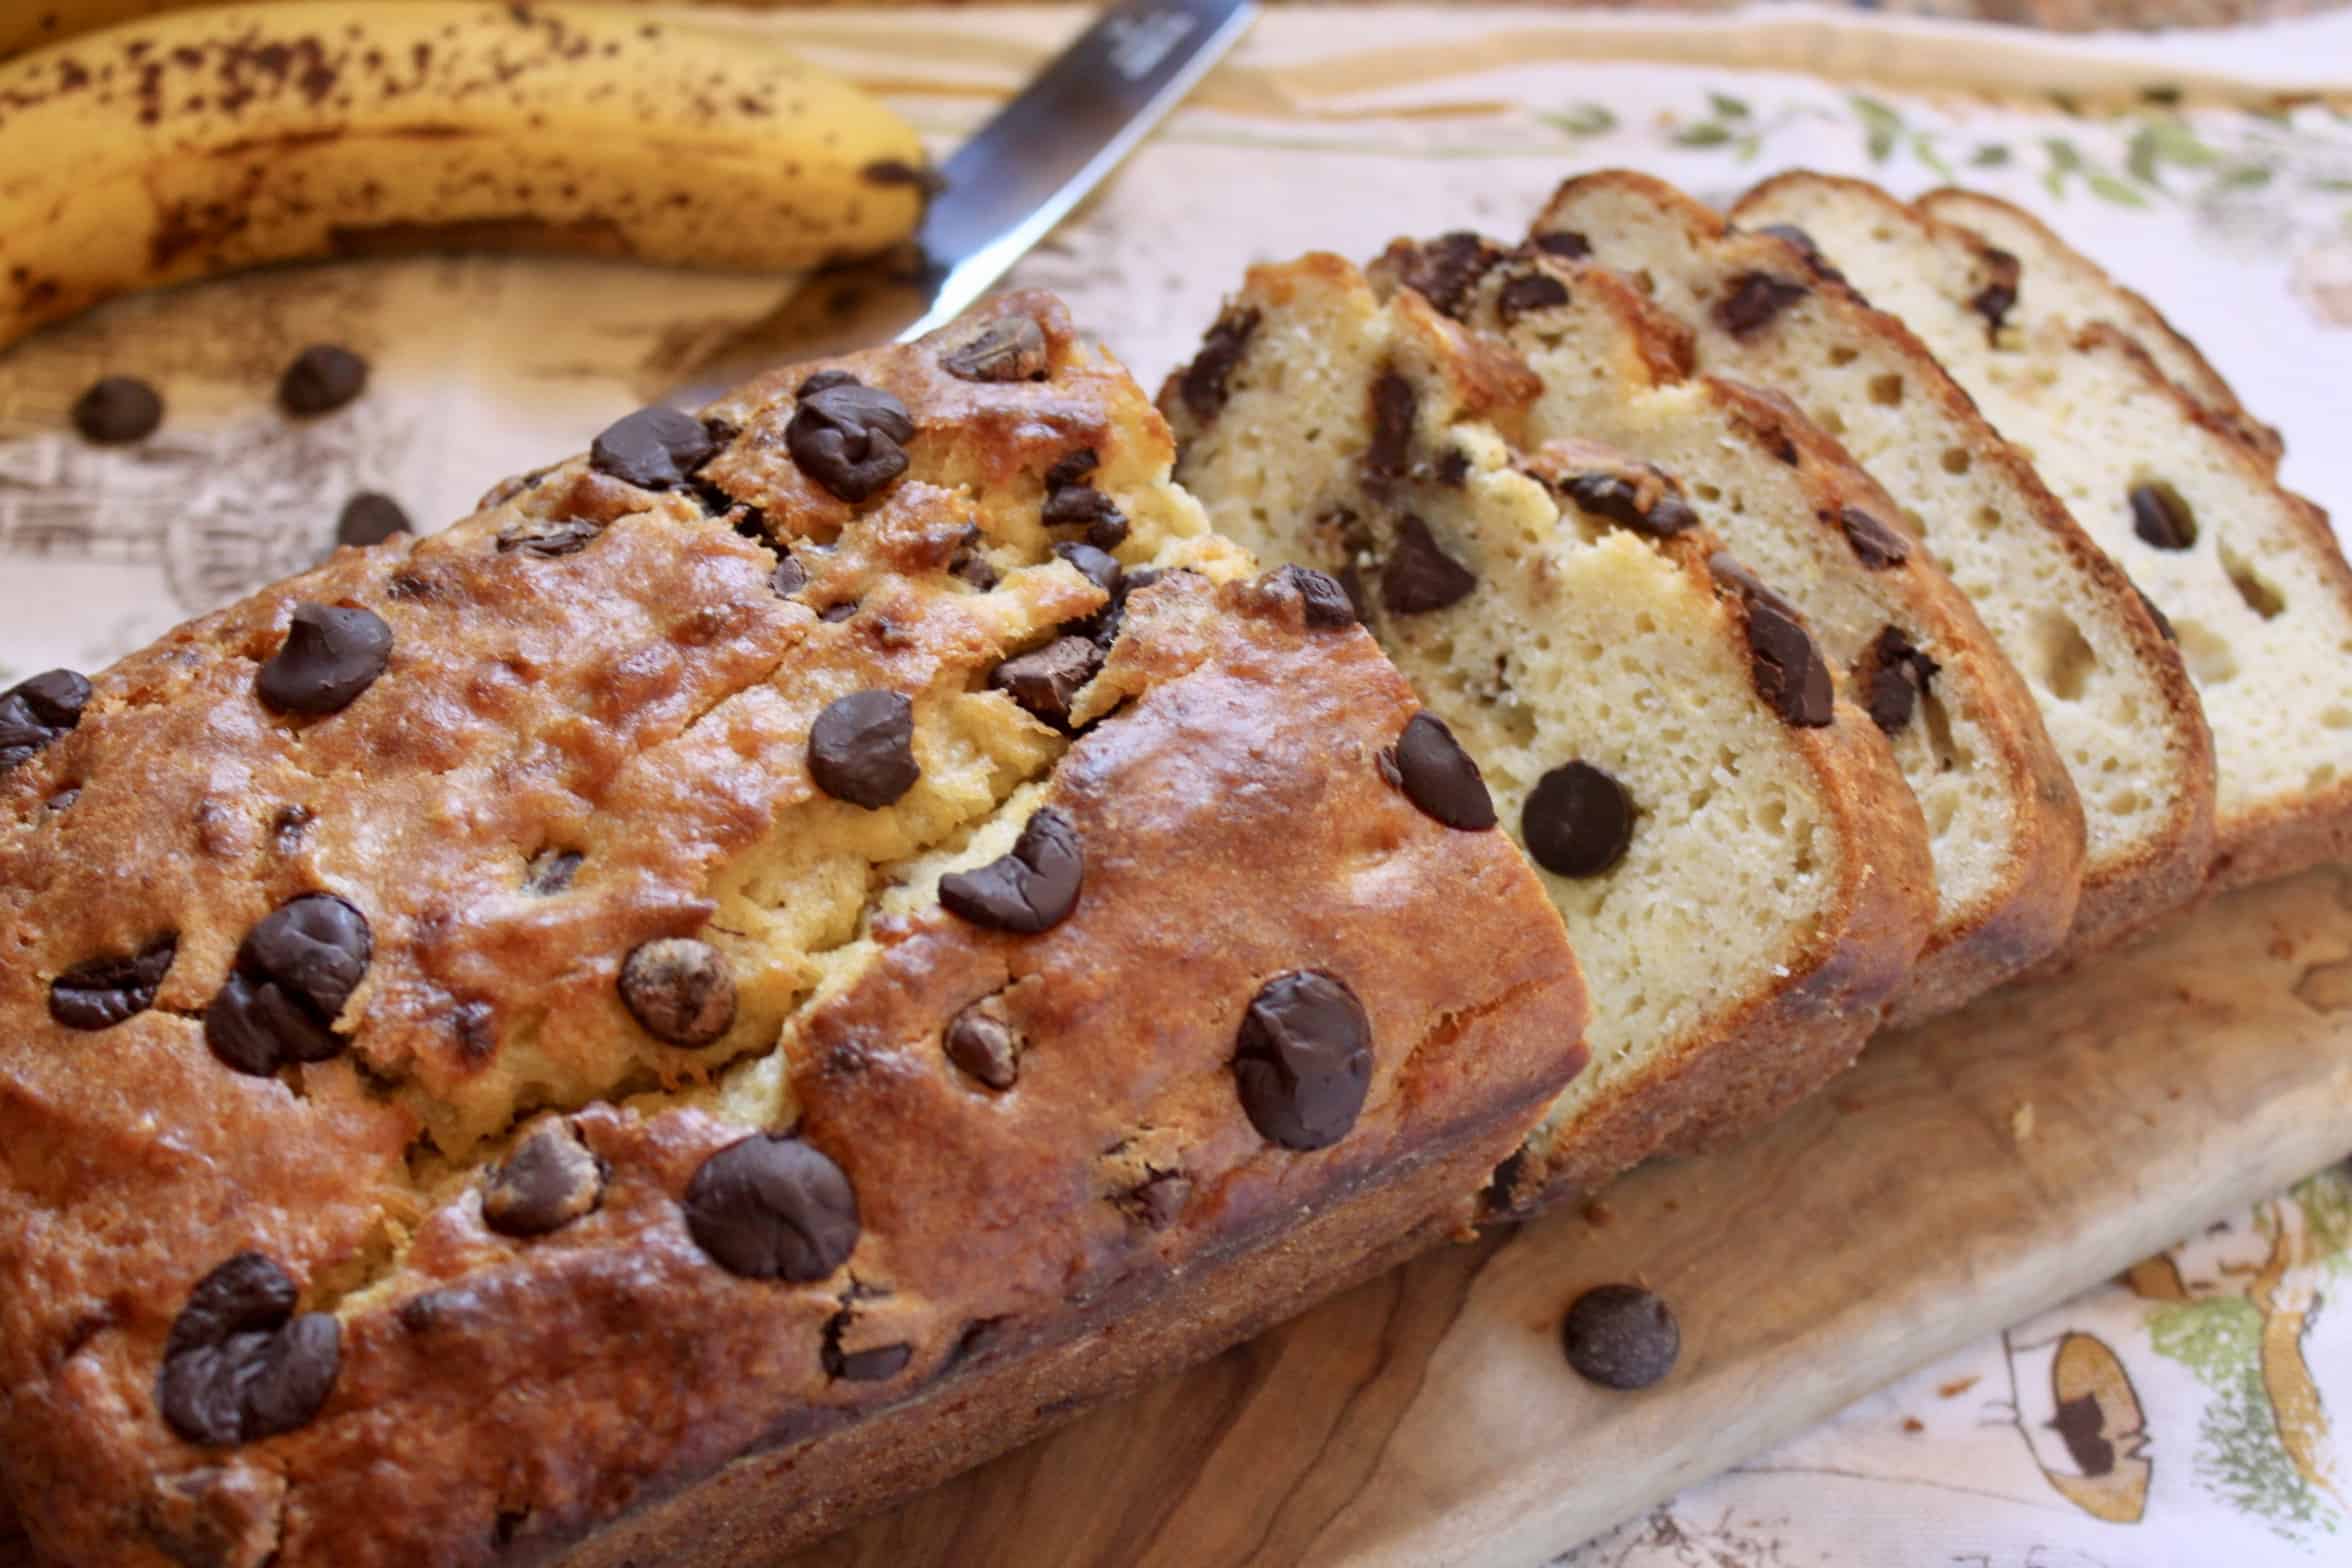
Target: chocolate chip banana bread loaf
(767, 964)
(2114, 695)
(2006, 830)
(2248, 574)
(1744, 873)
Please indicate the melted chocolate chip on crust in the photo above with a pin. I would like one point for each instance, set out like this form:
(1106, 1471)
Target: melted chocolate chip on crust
(789, 577)
(1203, 382)
(550, 1180)
(37, 710)
(99, 993)
(657, 448)
(878, 1365)
(1011, 348)
(1032, 889)
(849, 437)
(983, 1044)
(773, 1207)
(1438, 776)
(331, 654)
(1893, 675)
(1876, 545)
(862, 748)
(1620, 1336)
(1303, 1059)
(680, 989)
(1755, 298)
(1419, 576)
(1577, 821)
(549, 537)
(239, 1365)
(2161, 518)
(294, 972)
(118, 409)
(322, 378)
(1046, 680)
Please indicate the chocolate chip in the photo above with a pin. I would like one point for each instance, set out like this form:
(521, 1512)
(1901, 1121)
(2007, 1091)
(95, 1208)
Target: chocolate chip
(1394, 406)
(64, 798)
(294, 972)
(789, 577)
(1529, 291)
(1618, 499)
(983, 1044)
(1453, 468)
(1094, 564)
(1446, 269)
(1202, 384)
(838, 612)
(1323, 599)
(99, 993)
(1082, 505)
(1893, 676)
(772, 1207)
(1045, 681)
(1787, 668)
(1032, 889)
(550, 872)
(848, 437)
(877, 1365)
(656, 448)
(1577, 821)
(680, 989)
(1755, 298)
(323, 377)
(2162, 518)
(1564, 242)
(37, 710)
(823, 381)
(508, 488)
(1876, 544)
(331, 654)
(1071, 468)
(288, 826)
(1996, 299)
(118, 409)
(897, 171)
(239, 1365)
(1791, 234)
(1419, 576)
(1158, 1201)
(1010, 348)
(970, 562)
(1620, 1336)
(862, 748)
(370, 517)
(550, 1180)
(2163, 621)
(1438, 776)
(1303, 1060)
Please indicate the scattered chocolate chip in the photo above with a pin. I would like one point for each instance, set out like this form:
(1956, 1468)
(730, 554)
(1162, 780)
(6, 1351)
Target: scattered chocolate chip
(1158, 1201)
(656, 448)
(1077, 504)
(1790, 234)
(1618, 499)
(862, 748)
(1996, 299)
(118, 409)
(1202, 384)
(2162, 518)
(99, 993)
(550, 872)
(772, 1207)
(1010, 348)
(1876, 545)
(331, 654)
(239, 1365)
(1526, 292)
(680, 989)
(1438, 776)
(322, 378)
(1564, 242)
(1418, 575)
(294, 972)
(2163, 621)
(550, 1180)
(37, 710)
(1045, 681)
(1755, 298)
(370, 517)
(877, 1365)
(1394, 406)
(1322, 598)
(1577, 821)
(838, 612)
(1303, 1059)
(1620, 1336)
(789, 577)
(1446, 269)
(1453, 468)
(848, 437)
(984, 1045)
(1787, 668)
(1893, 676)
(1032, 889)
(1071, 468)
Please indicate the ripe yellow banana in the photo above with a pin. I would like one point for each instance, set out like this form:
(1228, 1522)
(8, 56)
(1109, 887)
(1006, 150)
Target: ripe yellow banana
(206, 140)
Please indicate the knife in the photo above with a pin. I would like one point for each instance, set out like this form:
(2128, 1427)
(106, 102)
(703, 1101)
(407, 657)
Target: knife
(1003, 190)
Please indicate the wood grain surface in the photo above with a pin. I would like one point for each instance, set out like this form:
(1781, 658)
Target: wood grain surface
(1428, 1418)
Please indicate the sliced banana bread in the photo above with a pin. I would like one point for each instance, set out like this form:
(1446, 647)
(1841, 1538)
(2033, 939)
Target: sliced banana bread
(2113, 693)
(2249, 574)
(1745, 878)
(1781, 494)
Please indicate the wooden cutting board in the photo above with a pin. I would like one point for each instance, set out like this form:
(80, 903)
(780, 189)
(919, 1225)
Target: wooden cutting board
(1963, 1177)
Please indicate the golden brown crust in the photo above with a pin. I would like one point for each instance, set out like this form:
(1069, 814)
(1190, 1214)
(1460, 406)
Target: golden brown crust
(2121, 894)
(498, 1397)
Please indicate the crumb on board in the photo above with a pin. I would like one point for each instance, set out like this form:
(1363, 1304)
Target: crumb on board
(1914, 1424)
(1957, 1387)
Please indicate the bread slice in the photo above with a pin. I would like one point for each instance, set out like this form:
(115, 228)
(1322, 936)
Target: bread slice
(2067, 286)
(2249, 574)
(2114, 695)
(2007, 829)
(1742, 929)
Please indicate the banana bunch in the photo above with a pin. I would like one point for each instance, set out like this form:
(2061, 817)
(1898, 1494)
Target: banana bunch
(202, 141)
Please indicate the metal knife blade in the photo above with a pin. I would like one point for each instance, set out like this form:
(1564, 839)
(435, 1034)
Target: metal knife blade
(1005, 189)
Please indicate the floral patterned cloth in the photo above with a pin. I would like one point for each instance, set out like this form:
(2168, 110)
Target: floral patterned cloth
(2181, 1416)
